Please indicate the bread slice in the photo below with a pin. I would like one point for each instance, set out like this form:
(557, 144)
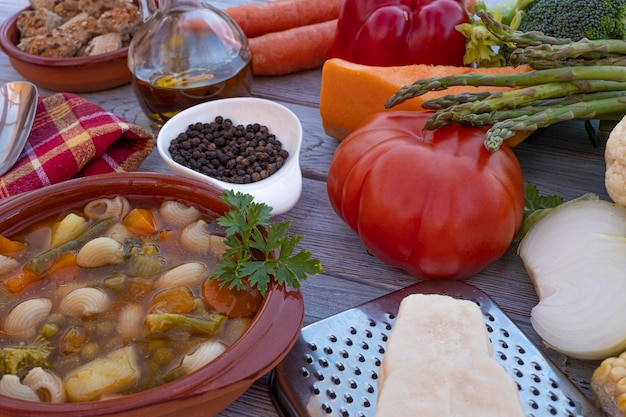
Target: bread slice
(82, 27)
(438, 363)
(37, 22)
(59, 45)
(102, 44)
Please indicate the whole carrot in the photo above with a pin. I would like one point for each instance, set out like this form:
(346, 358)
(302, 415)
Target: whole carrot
(279, 15)
(292, 50)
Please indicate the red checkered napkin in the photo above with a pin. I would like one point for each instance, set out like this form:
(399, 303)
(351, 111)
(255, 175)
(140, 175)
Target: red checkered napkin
(73, 137)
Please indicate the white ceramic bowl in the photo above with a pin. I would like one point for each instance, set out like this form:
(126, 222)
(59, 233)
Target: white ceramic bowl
(282, 189)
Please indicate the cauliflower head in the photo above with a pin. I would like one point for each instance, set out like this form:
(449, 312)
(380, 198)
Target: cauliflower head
(615, 158)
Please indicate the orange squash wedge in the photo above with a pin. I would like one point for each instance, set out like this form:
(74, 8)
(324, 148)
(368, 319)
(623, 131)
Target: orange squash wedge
(350, 92)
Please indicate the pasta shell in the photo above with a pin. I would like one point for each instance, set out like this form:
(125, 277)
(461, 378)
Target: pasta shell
(204, 353)
(194, 237)
(48, 386)
(104, 208)
(217, 245)
(24, 317)
(7, 264)
(190, 274)
(67, 229)
(11, 386)
(178, 214)
(130, 321)
(100, 251)
(197, 238)
(85, 302)
(119, 232)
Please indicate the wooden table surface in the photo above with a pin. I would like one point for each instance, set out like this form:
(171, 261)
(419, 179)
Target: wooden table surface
(561, 160)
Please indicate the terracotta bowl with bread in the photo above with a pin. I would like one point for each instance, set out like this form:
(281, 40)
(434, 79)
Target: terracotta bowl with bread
(57, 71)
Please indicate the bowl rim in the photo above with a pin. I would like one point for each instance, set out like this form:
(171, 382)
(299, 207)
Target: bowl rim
(214, 378)
(11, 49)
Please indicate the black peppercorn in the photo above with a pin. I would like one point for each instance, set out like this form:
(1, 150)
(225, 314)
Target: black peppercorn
(231, 153)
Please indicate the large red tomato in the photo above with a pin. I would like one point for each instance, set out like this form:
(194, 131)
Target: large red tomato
(435, 203)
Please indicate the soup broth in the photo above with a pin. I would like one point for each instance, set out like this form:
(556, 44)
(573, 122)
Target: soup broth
(95, 289)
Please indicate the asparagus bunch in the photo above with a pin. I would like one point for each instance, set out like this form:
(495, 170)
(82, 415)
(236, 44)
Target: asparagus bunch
(570, 80)
(543, 52)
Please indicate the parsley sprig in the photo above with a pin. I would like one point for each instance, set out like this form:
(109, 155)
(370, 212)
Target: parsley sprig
(536, 206)
(248, 229)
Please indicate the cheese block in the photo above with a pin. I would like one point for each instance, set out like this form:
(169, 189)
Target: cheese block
(438, 363)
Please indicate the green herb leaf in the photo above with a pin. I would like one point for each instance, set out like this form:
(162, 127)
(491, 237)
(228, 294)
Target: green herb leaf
(535, 208)
(534, 201)
(249, 229)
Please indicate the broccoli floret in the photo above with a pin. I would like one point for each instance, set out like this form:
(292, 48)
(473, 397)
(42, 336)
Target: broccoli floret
(576, 19)
(20, 359)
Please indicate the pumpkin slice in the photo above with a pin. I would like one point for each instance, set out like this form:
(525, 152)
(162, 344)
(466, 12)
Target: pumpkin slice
(351, 92)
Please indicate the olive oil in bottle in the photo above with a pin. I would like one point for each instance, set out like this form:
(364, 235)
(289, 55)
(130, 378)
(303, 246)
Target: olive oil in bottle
(187, 52)
(161, 96)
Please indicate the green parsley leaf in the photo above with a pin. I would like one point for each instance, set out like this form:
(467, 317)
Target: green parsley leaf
(258, 249)
(536, 206)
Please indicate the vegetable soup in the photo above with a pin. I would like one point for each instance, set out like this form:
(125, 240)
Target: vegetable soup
(111, 300)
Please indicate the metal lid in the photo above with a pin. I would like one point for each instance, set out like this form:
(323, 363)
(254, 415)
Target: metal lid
(332, 369)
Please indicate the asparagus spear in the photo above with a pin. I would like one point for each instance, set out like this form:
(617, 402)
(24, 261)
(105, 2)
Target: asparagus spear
(594, 49)
(540, 93)
(450, 100)
(535, 77)
(517, 38)
(485, 119)
(538, 44)
(585, 110)
(463, 112)
(539, 63)
(517, 98)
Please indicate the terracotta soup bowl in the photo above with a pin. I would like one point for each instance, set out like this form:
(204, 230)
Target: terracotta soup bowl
(205, 392)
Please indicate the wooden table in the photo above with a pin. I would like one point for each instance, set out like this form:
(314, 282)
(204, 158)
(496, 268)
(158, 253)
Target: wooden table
(562, 161)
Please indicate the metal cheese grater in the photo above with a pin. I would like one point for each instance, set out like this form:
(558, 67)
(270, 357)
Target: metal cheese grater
(333, 368)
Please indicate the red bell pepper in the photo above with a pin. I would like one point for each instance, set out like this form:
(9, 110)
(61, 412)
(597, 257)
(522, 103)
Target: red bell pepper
(401, 32)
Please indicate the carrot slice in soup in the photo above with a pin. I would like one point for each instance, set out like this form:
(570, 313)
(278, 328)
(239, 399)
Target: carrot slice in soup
(18, 282)
(62, 269)
(141, 221)
(232, 303)
(177, 300)
(10, 246)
